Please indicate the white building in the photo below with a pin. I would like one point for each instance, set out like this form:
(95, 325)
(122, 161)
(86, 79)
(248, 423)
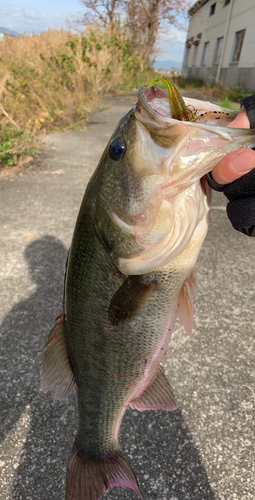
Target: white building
(221, 42)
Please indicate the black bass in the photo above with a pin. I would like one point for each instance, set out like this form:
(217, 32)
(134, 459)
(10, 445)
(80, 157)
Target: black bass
(142, 222)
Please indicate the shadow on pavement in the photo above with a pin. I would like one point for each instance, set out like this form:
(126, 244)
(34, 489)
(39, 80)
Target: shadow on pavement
(37, 433)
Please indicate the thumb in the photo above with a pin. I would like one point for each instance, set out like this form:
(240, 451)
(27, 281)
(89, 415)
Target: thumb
(234, 165)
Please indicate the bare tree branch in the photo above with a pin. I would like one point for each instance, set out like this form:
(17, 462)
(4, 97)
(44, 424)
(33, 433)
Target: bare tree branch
(146, 8)
(144, 18)
(104, 10)
(8, 116)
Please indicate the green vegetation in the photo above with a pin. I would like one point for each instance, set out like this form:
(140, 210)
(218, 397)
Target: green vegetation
(188, 83)
(14, 144)
(226, 103)
(237, 93)
(137, 79)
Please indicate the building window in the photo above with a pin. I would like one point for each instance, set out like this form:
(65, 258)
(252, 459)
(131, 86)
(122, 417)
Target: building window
(226, 3)
(194, 58)
(205, 52)
(212, 9)
(238, 45)
(217, 52)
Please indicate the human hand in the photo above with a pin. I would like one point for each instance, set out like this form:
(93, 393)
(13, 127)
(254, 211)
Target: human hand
(235, 176)
(237, 163)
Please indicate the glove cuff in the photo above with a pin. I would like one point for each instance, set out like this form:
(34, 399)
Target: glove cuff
(249, 105)
(214, 185)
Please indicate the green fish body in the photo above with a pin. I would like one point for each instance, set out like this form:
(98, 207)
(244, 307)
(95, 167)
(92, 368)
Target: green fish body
(141, 224)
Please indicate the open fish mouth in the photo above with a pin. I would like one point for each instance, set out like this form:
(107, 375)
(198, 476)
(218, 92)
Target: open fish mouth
(154, 104)
(195, 144)
(155, 101)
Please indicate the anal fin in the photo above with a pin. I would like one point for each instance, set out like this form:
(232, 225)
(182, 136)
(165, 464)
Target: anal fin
(56, 374)
(185, 304)
(157, 396)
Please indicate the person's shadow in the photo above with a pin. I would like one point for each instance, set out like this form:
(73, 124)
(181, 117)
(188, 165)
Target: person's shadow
(37, 433)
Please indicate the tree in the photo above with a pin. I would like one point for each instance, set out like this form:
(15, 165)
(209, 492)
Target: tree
(143, 18)
(104, 11)
(147, 17)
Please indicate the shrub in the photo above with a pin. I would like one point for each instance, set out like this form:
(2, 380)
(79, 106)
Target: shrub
(56, 79)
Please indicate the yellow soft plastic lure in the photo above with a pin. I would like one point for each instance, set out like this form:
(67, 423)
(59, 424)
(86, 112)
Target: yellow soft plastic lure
(178, 107)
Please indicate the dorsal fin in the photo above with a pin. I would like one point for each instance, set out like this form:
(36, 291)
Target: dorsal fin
(157, 396)
(56, 373)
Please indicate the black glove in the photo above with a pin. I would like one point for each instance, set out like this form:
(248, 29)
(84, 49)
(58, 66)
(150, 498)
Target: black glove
(241, 192)
(241, 209)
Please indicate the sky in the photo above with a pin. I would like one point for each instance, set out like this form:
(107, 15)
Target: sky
(38, 15)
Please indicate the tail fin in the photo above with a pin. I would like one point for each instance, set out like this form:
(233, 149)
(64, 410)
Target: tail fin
(88, 478)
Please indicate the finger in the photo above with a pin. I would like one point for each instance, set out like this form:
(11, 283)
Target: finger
(241, 120)
(234, 165)
(239, 162)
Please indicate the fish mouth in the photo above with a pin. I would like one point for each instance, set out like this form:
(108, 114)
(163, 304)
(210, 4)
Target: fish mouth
(154, 106)
(153, 103)
(153, 112)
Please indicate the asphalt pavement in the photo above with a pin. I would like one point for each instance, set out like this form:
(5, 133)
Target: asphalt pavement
(202, 451)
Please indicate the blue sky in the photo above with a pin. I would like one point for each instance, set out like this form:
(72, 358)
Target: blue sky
(38, 15)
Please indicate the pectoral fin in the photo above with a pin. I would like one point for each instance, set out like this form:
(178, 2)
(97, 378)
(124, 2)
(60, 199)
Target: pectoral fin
(56, 373)
(157, 396)
(129, 299)
(185, 304)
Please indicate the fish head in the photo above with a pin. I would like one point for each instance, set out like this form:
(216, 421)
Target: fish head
(149, 179)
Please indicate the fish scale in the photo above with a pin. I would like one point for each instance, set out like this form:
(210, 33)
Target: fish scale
(142, 222)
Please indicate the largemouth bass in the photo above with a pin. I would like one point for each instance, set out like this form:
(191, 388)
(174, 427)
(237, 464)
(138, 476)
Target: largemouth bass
(143, 219)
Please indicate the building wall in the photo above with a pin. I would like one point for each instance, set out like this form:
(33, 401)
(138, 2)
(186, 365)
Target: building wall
(214, 27)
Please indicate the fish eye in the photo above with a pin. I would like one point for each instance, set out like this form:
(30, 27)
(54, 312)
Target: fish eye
(117, 149)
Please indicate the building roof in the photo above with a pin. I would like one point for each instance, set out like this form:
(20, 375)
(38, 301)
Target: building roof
(196, 7)
(5, 31)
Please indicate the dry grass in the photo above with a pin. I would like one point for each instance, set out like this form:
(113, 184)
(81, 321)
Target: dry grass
(55, 81)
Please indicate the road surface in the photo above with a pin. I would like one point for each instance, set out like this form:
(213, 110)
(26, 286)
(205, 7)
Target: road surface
(204, 450)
